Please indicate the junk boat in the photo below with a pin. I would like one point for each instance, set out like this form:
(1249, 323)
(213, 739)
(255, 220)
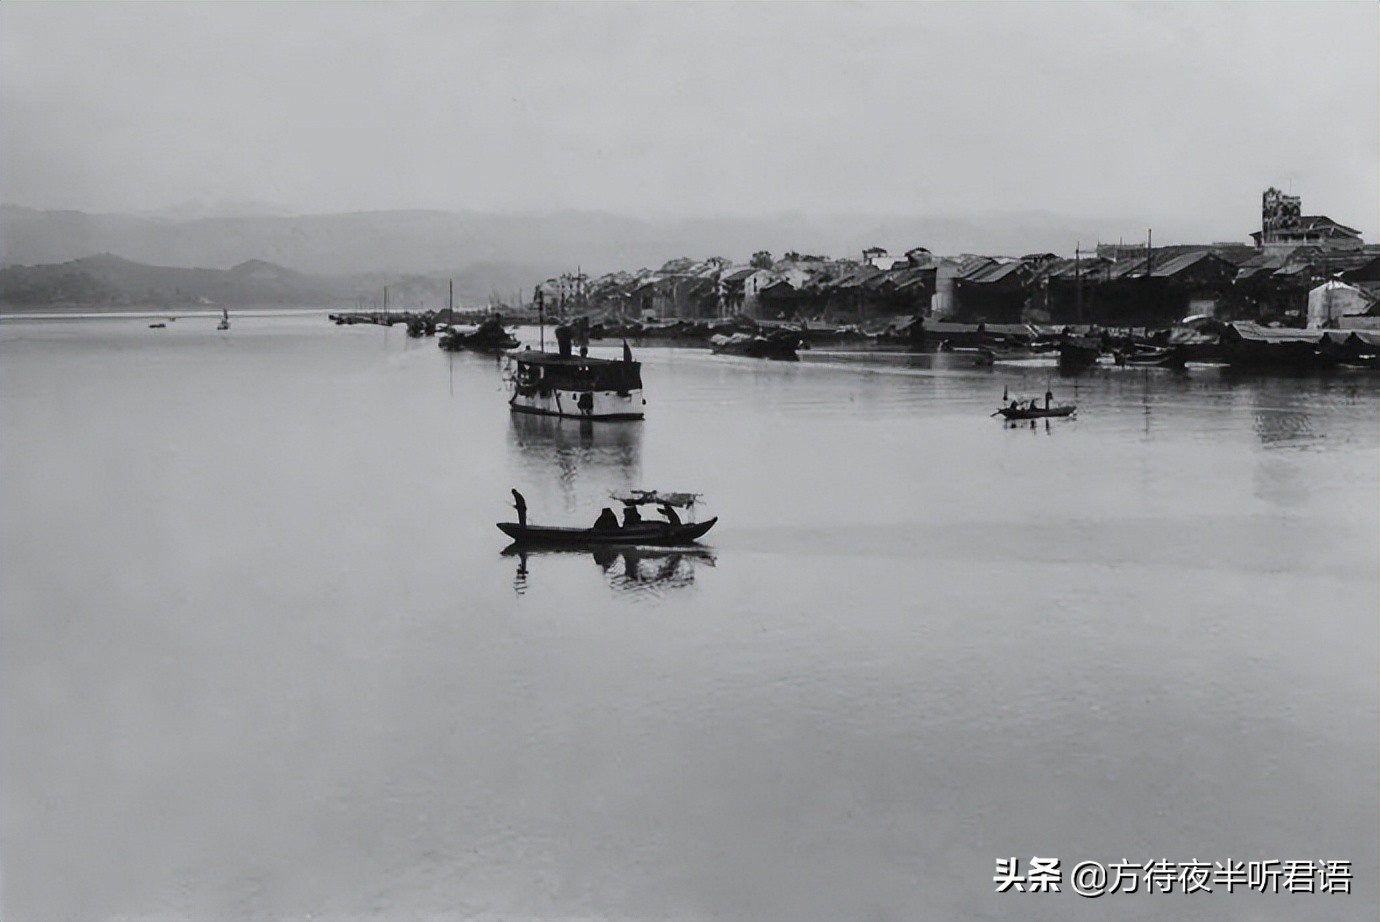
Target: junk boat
(607, 531)
(562, 383)
(488, 337)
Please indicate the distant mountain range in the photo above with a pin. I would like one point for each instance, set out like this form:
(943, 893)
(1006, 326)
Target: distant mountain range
(108, 282)
(334, 258)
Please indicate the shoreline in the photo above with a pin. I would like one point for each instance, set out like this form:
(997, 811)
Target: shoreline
(147, 313)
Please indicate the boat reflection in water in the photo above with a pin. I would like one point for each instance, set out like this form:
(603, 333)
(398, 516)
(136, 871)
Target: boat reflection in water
(1033, 425)
(570, 444)
(627, 568)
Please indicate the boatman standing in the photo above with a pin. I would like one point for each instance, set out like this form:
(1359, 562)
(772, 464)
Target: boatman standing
(520, 505)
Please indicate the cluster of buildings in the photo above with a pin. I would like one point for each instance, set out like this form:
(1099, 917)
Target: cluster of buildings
(1270, 280)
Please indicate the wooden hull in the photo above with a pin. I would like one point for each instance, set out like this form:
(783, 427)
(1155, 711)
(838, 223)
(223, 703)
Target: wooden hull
(489, 345)
(779, 353)
(1162, 358)
(588, 405)
(1039, 413)
(655, 534)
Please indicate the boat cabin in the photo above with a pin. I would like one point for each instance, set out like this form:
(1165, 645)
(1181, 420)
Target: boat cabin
(542, 371)
(554, 384)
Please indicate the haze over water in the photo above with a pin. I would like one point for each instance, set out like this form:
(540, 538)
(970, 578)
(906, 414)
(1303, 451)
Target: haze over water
(262, 656)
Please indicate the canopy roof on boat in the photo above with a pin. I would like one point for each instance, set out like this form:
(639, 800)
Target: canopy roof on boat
(533, 357)
(654, 497)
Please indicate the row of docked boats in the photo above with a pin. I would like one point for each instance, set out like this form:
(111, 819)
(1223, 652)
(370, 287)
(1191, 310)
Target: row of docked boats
(1240, 345)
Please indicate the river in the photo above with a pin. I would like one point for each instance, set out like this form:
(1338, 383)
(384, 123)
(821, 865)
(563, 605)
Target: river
(263, 657)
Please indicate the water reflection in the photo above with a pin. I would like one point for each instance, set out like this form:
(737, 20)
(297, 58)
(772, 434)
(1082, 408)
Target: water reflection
(1283, 416)
(1032, 424)
(626, 568)
(571, 445)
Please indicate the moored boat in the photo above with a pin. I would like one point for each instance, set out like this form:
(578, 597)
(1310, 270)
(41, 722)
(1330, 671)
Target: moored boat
(1170, 357)
(489, 337)
(1077, 354)
(778, 344)
(562, 383)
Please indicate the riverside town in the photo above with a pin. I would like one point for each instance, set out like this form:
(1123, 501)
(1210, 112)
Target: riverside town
(1305, 293)
(690, 461)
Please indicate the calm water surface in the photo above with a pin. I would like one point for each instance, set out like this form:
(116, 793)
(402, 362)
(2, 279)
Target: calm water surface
(263, 656)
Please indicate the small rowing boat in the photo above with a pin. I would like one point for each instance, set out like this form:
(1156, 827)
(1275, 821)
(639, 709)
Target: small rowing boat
(634, 531)
(654, 534)
(1031, 409)
(1037, 412)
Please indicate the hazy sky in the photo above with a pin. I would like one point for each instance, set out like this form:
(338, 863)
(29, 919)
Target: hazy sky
(1166, 113)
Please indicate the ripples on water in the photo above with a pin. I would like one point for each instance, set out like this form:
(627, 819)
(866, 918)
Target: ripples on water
(264, 654)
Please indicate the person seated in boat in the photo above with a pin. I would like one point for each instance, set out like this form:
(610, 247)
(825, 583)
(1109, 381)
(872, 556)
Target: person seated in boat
(607, 521)
(670, 514)
(1049, 395)
(631, 516)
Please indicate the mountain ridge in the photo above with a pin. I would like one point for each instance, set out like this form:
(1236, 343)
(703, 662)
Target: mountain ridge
(430, 241)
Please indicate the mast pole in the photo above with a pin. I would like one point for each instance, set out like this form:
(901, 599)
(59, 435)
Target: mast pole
(541, 316)
(1078, 281)
(1149, 265)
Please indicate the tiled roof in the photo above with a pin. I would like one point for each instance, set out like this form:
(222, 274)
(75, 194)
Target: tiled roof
(991, 273)
(1178, 264)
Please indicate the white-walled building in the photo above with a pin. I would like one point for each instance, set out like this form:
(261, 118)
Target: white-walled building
(1333, 300)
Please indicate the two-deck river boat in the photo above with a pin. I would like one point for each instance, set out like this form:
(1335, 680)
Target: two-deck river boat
(576, 386)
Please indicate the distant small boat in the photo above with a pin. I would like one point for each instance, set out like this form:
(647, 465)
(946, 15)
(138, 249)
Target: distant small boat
(1153, 358)
(224, 319)
(157, 326)
(1027, 412)
(981, 355)
(1031, 409)
(780, 345)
